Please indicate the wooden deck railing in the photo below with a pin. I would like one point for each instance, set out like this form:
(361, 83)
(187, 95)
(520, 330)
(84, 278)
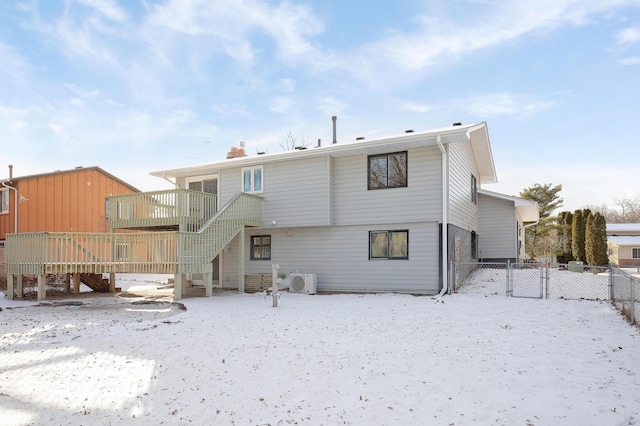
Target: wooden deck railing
(166, 252)
(197, 249)
(186, 209)
(57, 252)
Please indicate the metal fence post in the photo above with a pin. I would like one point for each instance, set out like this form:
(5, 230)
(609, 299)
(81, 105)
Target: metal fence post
(508, 268)
(632, 318)
(611, 284)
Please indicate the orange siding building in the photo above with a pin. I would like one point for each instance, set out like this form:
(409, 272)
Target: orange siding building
(62, 201)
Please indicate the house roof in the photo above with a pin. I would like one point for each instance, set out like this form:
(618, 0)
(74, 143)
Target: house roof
(527, 209)
(476, 134)
(623, 227)
(57, 172)
(624, 240)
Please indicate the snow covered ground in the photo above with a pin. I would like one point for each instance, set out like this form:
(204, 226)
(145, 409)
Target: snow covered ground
(380, 359)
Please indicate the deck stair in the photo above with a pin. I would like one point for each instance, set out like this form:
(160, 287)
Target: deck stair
(95, 282)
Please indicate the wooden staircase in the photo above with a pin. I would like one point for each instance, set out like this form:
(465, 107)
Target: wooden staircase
(95, 282)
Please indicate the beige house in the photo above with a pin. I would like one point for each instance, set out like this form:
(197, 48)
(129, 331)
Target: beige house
(623, 241)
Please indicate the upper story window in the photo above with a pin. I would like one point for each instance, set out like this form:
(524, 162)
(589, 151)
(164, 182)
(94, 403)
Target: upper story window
(4, 202)
(474, 190)
(387, 170)
(252, 179)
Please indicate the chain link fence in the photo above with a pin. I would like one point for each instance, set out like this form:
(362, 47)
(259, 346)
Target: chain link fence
(550, 281)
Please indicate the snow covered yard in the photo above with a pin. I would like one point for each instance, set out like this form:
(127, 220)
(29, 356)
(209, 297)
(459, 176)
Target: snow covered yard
(323, 359)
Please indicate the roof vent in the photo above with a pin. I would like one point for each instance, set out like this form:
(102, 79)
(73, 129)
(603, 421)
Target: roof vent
(457, 124)
(300, 148)
(260, 152)
(409, 131)
(78, 167)
(360, 138)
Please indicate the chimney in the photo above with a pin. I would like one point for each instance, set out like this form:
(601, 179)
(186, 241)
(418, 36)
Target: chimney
(334, 118)
(319, 143)
(237, 152)
(10, 171)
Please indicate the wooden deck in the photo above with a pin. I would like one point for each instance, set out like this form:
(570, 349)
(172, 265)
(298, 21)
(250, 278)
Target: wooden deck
(164, 252)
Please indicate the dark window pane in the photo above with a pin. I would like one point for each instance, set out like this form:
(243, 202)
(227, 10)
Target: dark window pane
(378, 172)
(397, 170)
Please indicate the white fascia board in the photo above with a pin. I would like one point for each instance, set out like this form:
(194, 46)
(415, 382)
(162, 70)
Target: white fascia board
(397, 143)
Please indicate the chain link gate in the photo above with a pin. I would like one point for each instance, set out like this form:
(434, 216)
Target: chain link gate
(527, 280)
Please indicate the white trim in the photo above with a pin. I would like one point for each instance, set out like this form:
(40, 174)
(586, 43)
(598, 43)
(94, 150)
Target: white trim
(201, 178)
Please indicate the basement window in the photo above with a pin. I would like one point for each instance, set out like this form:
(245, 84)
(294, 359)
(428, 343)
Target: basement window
(261, 247)
(389, 245)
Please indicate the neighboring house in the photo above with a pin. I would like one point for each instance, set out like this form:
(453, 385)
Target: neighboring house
(60, 201)
(503, 219)
(623, 240)
(366, 216)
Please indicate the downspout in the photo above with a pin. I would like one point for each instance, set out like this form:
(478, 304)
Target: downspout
(445, 213)
(15, 203)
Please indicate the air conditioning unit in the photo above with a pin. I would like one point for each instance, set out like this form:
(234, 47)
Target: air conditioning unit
(302, 283)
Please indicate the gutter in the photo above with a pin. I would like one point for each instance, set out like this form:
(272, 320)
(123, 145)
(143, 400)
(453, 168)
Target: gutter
(15, 203)
(445, 213)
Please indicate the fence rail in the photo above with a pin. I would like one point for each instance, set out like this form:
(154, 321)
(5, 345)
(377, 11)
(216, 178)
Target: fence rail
(551, 281)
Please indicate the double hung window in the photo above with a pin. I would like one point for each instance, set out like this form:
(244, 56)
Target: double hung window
(252, 181)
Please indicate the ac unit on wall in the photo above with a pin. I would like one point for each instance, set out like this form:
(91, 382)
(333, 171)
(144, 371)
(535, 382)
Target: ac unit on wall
(302, 283)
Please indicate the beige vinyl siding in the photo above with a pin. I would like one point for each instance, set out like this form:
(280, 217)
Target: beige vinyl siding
(296, 193)
(340, 258)
(462, 211)
(497, 236)
(420, 201)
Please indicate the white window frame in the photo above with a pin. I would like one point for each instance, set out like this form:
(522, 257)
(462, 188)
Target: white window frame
(4, 201)
(252, 189)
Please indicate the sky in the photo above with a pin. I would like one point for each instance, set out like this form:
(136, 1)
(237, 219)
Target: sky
(141, 86)
(473, 358)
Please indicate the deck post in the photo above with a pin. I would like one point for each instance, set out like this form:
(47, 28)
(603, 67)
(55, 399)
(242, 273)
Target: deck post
(67, 283)
(177, 286)
(20, 286)
(112, 282)
(241, 261)
(42, 287)
(207, 276)
(10, 293)
(76, 283)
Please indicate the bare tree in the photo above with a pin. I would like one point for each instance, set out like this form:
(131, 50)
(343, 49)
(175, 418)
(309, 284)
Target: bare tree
(292, 141)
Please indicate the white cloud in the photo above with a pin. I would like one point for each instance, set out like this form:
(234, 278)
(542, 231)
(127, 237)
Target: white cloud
(434, 40)
(628, 36)
(231, 24)
(415, 107)
(287, 84)
(634, 60)
(107, 8)
(331, 106)
(281, 104)
(493, 104)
